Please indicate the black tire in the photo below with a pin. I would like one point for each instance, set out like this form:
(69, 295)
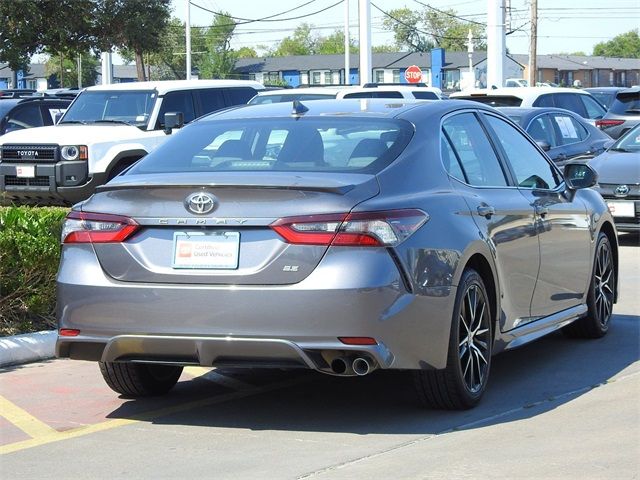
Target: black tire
(461, 384)
(600, 296)
(140, 379)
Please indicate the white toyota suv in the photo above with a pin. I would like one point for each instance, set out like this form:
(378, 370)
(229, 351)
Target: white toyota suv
(104, 131)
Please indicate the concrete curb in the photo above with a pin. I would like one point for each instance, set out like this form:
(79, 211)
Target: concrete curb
(30, 347)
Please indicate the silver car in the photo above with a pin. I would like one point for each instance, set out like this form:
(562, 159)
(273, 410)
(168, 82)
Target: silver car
(339, 236)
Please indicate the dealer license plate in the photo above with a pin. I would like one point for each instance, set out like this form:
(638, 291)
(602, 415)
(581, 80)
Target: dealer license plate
(206, 250)
(622, 208)
(26, 171)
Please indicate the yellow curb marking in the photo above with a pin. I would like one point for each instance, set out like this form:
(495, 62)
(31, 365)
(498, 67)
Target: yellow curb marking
(24, 420)
(210, 374)
(54, 436)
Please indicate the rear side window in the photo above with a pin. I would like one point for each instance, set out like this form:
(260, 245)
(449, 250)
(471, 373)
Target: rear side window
(326, 144)
(626, 104)
(544, 101)
(571, 102)
(540, 129)
(568, 130)
(177, 102)
(211, 100)
(240, 95)
(472, 148)
(425, 95)
(27, 116)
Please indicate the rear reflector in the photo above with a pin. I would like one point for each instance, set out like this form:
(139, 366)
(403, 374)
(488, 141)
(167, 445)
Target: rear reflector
(358, 340)
(608, 123)
(68, 332)
(86, 227)
(363, 229)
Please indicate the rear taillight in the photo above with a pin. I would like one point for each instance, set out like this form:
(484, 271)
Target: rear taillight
(364, 229)
(85, 227)
(602, 123)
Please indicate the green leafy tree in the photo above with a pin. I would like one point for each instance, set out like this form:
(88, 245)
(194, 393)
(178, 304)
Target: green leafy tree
(625, 45)
(334, 43)
(220, 59)
(300, 43)
(422, 31)
(246, 52)
(66, 69)
(384, 49)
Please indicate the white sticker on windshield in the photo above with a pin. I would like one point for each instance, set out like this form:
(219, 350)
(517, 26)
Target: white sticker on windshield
(567, 128)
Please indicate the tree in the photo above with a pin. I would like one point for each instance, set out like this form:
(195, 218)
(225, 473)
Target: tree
(625, 45)
(65, 69)
(422, 31)
(300, 43)
(384, 49)
(246, 52)
(220, 59)
(333, 44)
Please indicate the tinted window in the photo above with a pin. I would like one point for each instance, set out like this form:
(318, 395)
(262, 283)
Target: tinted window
(544, 101)
(260, 99)
(594, 109)
(281, 144)
(495, 100)
(604, 98)
(177, 102)
(240, 95)
(540, 129)
(471, 146)
(530, 167)
(27, 116)
(626, 104)
(376, 94)
(211, 100)
(450, 160)
(425, 95)
(570, 101)
(568, 130)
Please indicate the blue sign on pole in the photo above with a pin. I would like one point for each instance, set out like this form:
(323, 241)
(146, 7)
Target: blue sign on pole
(437, 66)
(22, 83)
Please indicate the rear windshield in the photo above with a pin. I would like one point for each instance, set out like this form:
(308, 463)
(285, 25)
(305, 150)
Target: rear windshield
(317, 144)
(425, 95)
(605, 98)
(626, 104)
(260, 99)
(494, 100)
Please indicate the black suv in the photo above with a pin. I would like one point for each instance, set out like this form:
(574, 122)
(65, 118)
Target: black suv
(21, 113)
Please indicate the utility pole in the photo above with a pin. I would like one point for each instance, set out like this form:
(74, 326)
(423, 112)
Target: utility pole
(472, 73)
(364, 21)
(188, 38)
(347, 53)
(533, 46)
(495, 43)
(79, 71)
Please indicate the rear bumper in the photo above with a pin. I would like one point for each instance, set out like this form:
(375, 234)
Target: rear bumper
(289, 324)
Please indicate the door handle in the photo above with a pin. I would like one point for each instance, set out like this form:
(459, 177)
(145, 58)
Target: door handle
(486, 211)
(541, 211)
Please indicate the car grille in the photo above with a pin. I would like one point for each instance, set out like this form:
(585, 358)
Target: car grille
(30, 153)
(39, 181)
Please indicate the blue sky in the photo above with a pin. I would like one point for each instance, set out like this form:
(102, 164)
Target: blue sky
(564, 25)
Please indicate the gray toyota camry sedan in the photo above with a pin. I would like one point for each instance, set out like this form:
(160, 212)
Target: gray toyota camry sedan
(340, 236)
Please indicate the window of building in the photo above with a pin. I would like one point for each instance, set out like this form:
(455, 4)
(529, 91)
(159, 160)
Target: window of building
(378, 76)
(396, 75)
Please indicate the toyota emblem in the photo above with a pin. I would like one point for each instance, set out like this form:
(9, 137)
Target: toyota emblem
(621, 191)
(200, 203)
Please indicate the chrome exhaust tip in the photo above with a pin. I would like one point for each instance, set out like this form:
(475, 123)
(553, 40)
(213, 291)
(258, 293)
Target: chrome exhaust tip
(361, 366)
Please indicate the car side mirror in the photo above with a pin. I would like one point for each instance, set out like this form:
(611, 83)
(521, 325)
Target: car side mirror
(543, 145)
(173, 120)
(579, 175)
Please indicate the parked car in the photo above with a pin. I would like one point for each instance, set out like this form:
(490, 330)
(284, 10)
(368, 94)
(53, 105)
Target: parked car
(16, 92)
(340, 236)
(623, 114)
(516, 82)
(574, 100)
(369, 90)
(619, 180)
(22, 113)
(561, 133)
(104, 131)
(605, 95)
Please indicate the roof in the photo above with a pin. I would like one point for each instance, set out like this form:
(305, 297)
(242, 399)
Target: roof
(519, 92)
(579, 62)
(304, 91)
(164, 86)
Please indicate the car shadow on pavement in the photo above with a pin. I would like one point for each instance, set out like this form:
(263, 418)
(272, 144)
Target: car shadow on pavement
(629, 239)
(546, 374)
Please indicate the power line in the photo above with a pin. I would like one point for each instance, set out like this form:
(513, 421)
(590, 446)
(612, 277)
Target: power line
(449, 14)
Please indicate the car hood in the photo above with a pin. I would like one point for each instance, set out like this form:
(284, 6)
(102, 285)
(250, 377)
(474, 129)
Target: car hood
(72, 134)
(617, 167)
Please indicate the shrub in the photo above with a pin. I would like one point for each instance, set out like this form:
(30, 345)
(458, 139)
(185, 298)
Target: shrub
(29, 256)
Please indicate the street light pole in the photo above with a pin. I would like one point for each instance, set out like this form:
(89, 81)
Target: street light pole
(188, 38)
(364, 21)
(347, 53)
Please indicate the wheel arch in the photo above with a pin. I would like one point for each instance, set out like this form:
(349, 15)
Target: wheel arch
(480, 264)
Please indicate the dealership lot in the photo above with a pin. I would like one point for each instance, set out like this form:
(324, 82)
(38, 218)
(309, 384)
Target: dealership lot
(555, 408)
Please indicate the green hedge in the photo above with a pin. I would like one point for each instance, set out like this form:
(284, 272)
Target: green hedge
(29, 256)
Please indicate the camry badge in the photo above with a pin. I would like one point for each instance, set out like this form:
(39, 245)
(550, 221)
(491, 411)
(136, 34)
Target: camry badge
(200, 203)
(621, 191)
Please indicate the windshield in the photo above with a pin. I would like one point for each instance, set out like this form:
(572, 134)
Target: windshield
(630, 142)
(132, 108)
(326, 144)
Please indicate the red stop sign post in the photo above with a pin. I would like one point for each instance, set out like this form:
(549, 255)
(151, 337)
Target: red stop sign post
(413, 74)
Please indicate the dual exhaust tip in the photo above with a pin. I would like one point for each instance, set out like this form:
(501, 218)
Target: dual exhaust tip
(345, 366)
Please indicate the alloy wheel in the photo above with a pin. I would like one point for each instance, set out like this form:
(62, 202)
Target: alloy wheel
(473, 331)
(603, 284)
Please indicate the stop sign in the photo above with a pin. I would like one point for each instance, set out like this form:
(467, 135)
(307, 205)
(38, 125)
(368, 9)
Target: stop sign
(413, 74)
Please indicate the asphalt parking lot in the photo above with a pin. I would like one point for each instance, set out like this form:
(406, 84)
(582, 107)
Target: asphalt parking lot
(553, 409)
